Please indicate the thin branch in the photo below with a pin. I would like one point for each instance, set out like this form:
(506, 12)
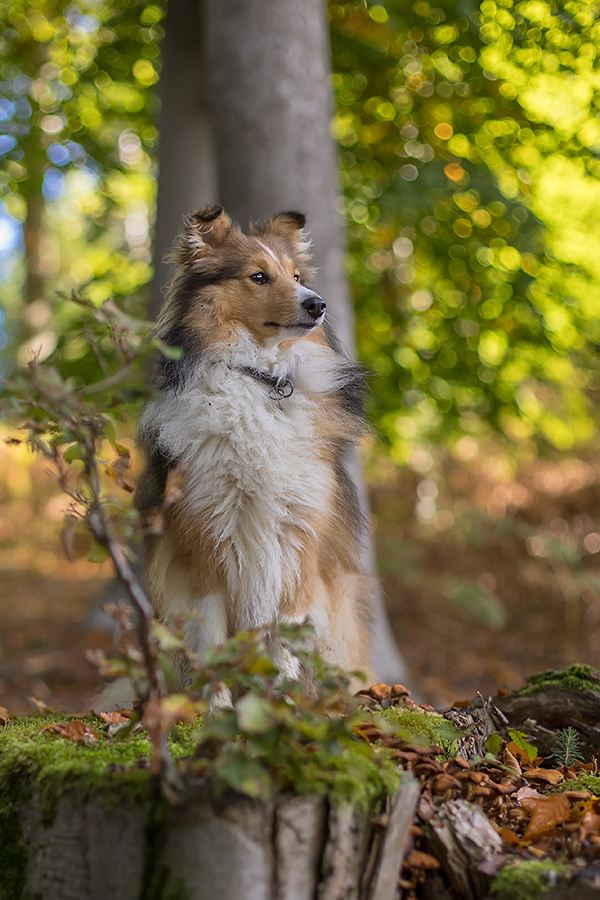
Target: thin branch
(111, 381)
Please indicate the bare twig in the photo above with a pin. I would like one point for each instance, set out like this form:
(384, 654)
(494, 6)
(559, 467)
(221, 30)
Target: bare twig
(111, 381)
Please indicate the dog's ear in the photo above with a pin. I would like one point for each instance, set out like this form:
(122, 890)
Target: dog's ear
(203, 231)
(288, 226)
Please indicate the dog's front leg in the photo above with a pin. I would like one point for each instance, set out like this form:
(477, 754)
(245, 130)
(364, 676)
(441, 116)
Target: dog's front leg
(208, 628)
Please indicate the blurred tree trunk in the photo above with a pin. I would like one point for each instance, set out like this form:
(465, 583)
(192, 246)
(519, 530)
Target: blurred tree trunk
(246, 114)
(188, 175)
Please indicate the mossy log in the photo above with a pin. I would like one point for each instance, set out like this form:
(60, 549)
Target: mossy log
(81, 847)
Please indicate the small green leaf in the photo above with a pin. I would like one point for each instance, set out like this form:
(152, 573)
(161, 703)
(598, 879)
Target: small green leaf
(165, 638)
(169, 352)
(245, 775)
(494, 743)
(77, 451)
(447, 730)
(254, 714)
(520, 740)
(98, 553)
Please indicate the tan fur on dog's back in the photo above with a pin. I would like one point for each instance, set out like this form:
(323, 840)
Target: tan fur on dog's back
(267, 526)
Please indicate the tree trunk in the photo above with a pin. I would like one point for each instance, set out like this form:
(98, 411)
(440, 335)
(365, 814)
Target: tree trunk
(246, 114)
(272, 111)
(188, 175)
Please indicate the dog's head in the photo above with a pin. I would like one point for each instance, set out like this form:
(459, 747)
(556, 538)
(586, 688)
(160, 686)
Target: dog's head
(227, 280)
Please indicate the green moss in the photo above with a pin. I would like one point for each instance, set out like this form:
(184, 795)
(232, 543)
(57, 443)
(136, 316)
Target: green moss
(527, 879)
(349, 775)
(111, 768)
(582, 782)
(418, 726)
(577, 677)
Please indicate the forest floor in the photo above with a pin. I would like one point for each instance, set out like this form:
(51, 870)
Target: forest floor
(489, 575)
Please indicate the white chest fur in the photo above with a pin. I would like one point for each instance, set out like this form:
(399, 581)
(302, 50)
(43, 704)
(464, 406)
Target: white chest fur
(256, 473)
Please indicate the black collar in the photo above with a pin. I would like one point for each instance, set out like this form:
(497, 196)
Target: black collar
(281, 388)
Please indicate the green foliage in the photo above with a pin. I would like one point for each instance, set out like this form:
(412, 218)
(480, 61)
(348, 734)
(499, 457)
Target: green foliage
(528, 879)
(286, 734)
(280, 735)
(77, 88)
(494, 744)
(578, 677)
(520, 740)
(469, 183)
(62, 413)
(567, 751)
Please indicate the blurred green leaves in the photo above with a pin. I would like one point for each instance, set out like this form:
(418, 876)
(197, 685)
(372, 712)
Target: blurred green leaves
(470, 141)
(77, 113)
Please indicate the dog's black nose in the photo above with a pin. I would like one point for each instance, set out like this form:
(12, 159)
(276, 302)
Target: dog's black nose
(314, 306)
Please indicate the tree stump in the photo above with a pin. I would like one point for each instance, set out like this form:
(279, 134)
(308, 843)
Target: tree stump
(234, 848)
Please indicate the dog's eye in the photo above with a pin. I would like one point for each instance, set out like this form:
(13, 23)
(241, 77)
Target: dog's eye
(259, 278)
(296, 276)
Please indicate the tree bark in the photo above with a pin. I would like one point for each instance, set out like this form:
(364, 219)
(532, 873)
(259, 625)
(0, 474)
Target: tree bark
(234, 848)
(272, 111)
(188, 174)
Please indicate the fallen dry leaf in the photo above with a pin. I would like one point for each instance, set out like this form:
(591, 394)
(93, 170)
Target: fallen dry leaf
(509, 837)
(527, 798)
(539, 850)
(74, 731)
(548, 812)
(510, 761)
(518, 752)
(113, 717)
(39, 705)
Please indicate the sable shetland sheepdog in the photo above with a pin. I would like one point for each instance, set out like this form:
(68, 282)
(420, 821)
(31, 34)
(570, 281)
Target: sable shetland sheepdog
(262, 409)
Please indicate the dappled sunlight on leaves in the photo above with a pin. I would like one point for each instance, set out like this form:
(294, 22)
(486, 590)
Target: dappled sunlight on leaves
(469, 137)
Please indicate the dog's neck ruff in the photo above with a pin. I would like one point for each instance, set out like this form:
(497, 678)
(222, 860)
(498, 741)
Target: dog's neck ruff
(281, 388)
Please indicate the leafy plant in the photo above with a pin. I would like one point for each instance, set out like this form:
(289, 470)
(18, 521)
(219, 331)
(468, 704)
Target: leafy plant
(282, 733)
(567, 750)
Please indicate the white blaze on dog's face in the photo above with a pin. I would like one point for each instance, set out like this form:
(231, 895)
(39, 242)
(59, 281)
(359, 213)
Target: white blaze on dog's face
(256, 282)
